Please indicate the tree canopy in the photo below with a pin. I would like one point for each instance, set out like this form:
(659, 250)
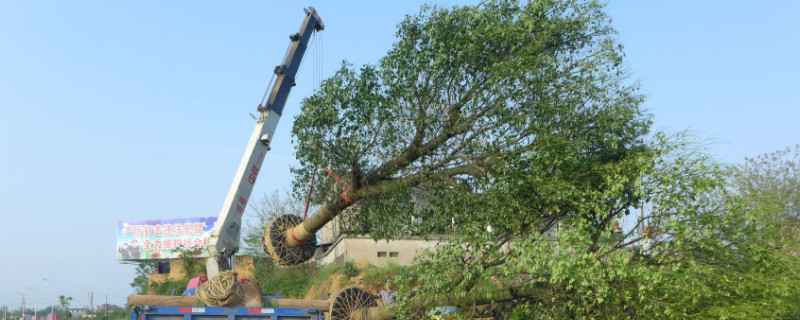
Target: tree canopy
(513, 128)
(769, 186)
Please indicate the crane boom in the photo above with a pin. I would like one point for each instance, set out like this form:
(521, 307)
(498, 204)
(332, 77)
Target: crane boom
(225, 235)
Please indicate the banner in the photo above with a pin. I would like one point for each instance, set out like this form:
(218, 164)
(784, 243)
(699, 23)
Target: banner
(163, 239)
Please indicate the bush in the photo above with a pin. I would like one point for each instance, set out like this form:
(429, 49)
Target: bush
(292, 281)
(350, 270)
(169, 287)
(376, 277)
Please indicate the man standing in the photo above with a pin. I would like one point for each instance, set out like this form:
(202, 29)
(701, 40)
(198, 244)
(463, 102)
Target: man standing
(387, 294)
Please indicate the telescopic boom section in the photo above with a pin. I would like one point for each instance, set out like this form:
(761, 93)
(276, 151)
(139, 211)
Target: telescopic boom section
(225, 236)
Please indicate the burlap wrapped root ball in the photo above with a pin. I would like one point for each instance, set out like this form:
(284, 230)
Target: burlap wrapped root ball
(221, 291)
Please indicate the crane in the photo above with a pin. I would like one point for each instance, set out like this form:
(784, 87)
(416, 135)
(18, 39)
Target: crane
(226, 234)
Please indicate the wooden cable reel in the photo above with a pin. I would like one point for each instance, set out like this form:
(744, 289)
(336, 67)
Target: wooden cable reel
(349, 302)
(277, 247)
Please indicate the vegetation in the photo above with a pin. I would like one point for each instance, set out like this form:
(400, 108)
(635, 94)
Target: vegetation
(769, 187)
(512, 127)
(376, 277)
(350, 270)
(64, 301)
(192, 267)
(291, 281)
(115, 313)
(141, 281)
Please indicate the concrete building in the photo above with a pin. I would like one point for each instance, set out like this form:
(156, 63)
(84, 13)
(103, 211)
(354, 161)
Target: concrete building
(80, 312)
(381, 253)
(341, 246)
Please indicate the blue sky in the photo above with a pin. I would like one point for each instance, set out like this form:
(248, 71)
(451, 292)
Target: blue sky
(137, 110)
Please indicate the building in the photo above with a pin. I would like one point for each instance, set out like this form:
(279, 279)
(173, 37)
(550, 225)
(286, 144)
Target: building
(379, 253)
(343, 246)
(106, 307)
(80, 312)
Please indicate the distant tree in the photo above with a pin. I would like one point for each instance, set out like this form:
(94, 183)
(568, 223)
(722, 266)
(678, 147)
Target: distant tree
(769, 186)
(141, 281)
(114, 313)
(64, 301)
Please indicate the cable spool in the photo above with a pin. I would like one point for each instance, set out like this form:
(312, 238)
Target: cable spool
(347, 302)
(275, 245)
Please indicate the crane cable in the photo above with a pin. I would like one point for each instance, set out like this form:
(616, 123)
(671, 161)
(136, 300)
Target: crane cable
(318, 66)
(316, 83)
(346, 186)
(308, 198)
(311, 189)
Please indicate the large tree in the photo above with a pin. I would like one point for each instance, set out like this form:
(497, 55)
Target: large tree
(513, 128)
(469, 89)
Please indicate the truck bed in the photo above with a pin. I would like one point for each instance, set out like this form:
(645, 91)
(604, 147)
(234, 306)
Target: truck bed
(224, 313)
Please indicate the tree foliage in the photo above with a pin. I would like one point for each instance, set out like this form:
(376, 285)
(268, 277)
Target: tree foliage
(142, 279)
(113, 313)
(512, 127)
(65, 301)
(769, 186)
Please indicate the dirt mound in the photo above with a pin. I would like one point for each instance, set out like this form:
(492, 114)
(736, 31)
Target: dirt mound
(333, 284)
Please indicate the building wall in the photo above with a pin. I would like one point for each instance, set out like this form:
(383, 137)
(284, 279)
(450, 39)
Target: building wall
(363, 248)
(380, 253)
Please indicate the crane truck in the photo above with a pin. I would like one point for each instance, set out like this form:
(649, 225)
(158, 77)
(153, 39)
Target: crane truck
(224, 241)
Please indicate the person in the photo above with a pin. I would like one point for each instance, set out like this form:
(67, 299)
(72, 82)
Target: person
(387, 294)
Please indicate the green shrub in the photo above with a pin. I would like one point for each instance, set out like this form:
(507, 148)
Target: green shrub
(169, 287)
(292, 281)
(350, 270)
(377, 276)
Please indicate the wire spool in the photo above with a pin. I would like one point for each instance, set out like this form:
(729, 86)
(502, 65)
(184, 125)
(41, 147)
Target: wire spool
(221, 291)
(276, 246)
(347, 303)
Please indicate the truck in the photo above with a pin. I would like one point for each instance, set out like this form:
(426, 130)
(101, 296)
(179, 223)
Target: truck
(224, 313)
(226, 234)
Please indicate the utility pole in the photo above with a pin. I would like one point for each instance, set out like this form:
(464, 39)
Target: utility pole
(105, 307)
(52, 299)
(91, 304)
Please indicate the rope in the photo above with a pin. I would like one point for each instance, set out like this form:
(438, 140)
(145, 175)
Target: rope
(222, 291)
(278, 249)
(308, 199)
(346, 186)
